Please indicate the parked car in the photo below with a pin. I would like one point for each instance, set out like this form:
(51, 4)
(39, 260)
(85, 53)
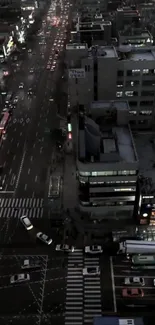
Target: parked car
(132, 292)
(27, 264)
(26, 222)
(91, 270)
(18, 278)
(93, 249)
(65, 248)
(134, 281)
(44, 238)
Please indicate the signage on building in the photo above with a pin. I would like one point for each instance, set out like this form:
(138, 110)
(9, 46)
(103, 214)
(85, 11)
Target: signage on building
(76, 73)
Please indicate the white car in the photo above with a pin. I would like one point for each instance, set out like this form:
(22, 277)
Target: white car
(21, 85)
(18, 278)
(26, 222)
(65, 248)
(93, 249)
(137, 281)
(91, 270)
(27, 264)
(44, 238)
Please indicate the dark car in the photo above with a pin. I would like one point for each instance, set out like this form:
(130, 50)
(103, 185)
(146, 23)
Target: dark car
(30, 92)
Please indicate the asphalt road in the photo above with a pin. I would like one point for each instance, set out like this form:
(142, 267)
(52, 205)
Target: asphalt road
(26, 154)
(27, 150)
(39, 299)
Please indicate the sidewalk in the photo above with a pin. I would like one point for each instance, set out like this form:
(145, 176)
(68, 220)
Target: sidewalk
(69, 183)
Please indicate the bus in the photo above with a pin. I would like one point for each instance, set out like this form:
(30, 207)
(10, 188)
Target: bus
(8, 97)
(143, 262)
(3, 124)
(54, 187)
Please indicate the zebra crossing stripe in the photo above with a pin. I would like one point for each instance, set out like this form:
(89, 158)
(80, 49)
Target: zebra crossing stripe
(21, 202)
(31, 213)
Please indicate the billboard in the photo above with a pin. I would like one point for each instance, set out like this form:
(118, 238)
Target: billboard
(76, 73)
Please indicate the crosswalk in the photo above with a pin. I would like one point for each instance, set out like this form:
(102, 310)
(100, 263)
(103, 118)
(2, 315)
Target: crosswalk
(16, 207)
(83, 293)
(92, 292)
(74, 289)
(21, 202)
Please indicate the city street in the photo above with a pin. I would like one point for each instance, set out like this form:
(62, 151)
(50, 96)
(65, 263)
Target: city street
(44, 292)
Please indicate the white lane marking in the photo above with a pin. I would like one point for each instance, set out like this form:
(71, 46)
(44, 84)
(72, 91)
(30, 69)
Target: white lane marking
(20, 168)
(28, 171)
(25, 187)
(113, 285)
(31, 158)
(36, 178)
(8, 152)
(14, 157)
(12, 179)
(10, 171)
(18, 144)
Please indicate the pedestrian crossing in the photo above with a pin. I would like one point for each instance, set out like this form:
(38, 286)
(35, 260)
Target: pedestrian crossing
(21, 202)
(83, 293)
(74, 289)
(17, 207)
(92, 292)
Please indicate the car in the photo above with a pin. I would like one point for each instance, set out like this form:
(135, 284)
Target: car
(154, 282)
(27, 264)
(65, 248)
(132, 292)
(93, 249)
(134, 281)
(5, 109)
(91, 270)
(44, 238)
(26, 222)
(48, 67)
(15, 100)
(21, 85)
(30, 92)
(31, 70)
(18, 278)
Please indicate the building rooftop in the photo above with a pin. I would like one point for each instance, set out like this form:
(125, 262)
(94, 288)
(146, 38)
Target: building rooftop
(104, 51)
(135, 32)
(104, 138)
(148, 55)
(145, 145)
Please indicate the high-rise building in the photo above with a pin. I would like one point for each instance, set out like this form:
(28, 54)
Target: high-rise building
(109, 73)
(107, 162)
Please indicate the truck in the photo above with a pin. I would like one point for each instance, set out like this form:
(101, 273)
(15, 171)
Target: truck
(130, 247)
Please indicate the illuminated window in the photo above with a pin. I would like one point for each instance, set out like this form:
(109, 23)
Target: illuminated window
(145, 71)
(129, 93)
(133, 112)
(145, 112)
(119, 94)
(136, 72)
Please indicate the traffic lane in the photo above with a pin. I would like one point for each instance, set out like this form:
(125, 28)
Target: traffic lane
(54, 299)
(10, 305)
(13, 234)
(149, 295)
(13, 153)
(30, 142)
(119, 280)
